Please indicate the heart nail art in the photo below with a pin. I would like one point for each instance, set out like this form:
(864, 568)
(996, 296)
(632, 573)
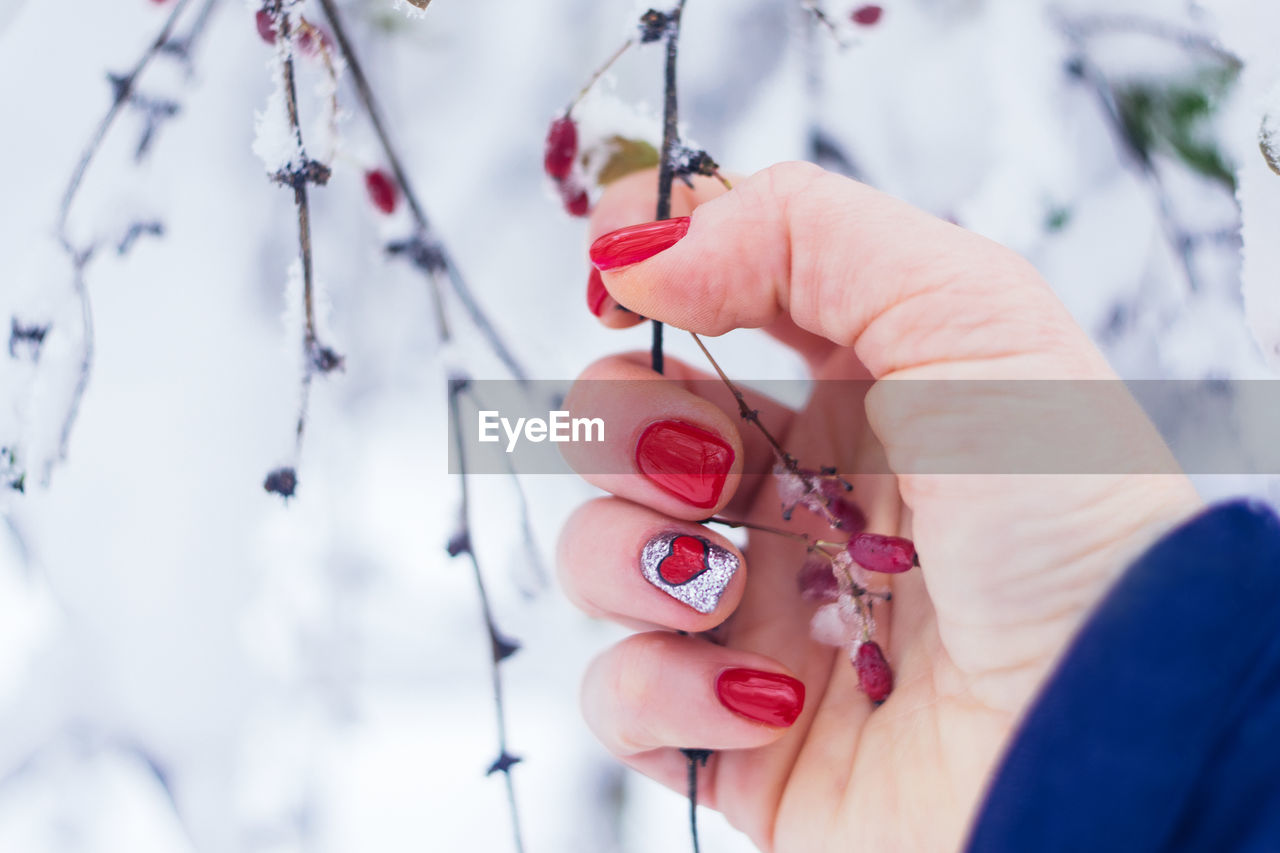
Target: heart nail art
(688, 568)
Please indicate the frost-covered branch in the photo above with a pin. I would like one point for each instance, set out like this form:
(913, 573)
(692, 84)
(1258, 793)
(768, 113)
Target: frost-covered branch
(297, 172)
(423, 248)
(124, 92)
(501, 647)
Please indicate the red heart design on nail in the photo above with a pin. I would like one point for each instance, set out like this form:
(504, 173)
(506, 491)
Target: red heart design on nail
(687, 560)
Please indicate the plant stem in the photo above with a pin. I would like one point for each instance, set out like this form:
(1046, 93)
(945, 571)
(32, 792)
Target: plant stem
(297, 179)
(748, 413)
(124, 90)
(670, 136)
(426, 235)
(505, 759)
(599, 72)
(763, 528)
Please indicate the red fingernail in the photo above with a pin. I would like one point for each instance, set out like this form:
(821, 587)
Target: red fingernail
(596, 294)
(686, 461)
(766, 697)
(635, 243)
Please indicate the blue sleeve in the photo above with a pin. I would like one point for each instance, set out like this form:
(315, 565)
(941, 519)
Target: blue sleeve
(1160, 730)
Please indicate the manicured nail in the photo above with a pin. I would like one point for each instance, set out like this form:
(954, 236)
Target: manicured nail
(685, 461)
(766, 697)
(688, 568)
(635, 243)
(596, 294)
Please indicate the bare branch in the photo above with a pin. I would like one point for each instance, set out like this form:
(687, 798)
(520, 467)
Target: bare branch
(424, 242)
(123, 92)
(670, 139)
(502, 648)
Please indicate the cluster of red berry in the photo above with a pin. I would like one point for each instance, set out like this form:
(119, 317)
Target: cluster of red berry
(558, 162)
(837, 576)
(382, 188)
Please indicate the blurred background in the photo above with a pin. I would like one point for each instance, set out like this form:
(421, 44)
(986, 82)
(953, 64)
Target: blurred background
(191, 663)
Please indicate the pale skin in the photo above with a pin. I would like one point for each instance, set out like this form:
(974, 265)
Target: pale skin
(861, 285)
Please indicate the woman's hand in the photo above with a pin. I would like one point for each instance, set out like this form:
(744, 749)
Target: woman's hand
(862, 286)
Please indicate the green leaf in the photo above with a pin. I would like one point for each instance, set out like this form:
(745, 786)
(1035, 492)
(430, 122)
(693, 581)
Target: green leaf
(624, 157)
(1176, 116)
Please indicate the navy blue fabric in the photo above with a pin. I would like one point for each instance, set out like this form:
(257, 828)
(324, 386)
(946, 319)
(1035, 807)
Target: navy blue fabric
(1160, 730)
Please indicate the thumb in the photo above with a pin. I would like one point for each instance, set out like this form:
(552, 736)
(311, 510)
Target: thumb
(850, 264)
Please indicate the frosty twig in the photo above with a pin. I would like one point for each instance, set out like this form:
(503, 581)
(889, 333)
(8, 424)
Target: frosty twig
(424, 249)
(297, 173)
(123, 93)
(501, 646)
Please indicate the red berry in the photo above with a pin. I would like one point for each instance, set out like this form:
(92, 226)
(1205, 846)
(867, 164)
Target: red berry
(874, 675)
(266, 26)
(576, 200)
(868, 16)
(843, 512)
(383, 191)
(562, 147)
(817, 581)
(890, 555)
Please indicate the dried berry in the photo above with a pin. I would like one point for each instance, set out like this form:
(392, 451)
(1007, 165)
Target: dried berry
(382, 189)
(562, 148)
(282, 481)
(890, 555)
(874, 675)
(867, 16)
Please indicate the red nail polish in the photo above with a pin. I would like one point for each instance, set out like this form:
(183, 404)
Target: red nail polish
(766, 697)
(596, 294)
(686, 461)
(635, 243)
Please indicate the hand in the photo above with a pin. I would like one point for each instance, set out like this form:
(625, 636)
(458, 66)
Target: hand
(862, 286)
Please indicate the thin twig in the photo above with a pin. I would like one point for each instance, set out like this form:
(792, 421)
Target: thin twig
(426, 240)
(670, 138)
(817, 14)
(696, 758)
(1175, 233)
(298, 176)
(526, 517)
(184, 47)
(748, 414)
(810, 479)
(123, 91)
(123, 87)
(763, 528)
(501, 648)
(599, 72)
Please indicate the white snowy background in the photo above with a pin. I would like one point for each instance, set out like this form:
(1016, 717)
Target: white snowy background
(189, 664)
